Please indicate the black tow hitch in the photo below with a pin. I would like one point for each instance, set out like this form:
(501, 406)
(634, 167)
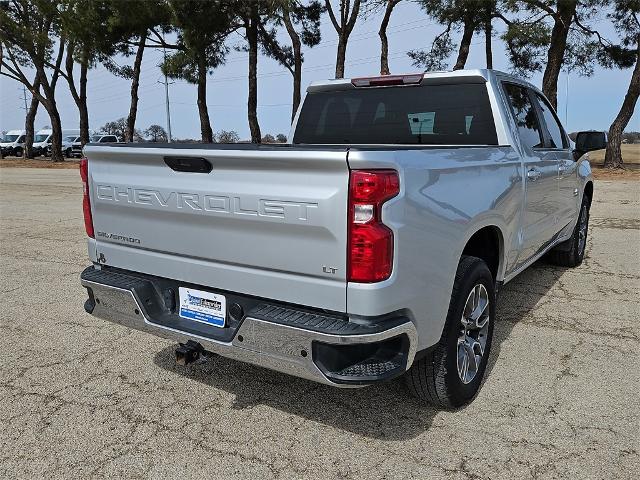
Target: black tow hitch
(189, 352)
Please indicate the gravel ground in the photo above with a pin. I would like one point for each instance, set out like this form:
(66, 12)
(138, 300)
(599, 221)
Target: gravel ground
(83, 398)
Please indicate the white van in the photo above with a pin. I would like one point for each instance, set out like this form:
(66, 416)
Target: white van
(12, 144)
(42, 140)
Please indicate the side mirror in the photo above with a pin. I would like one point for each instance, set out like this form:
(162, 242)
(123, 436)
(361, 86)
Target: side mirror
(590, 141)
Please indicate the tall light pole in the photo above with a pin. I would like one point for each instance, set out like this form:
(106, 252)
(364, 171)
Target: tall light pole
(566, 101)
(166, 95)
(24, 97)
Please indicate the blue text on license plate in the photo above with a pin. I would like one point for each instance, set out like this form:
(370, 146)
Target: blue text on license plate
(201, 306)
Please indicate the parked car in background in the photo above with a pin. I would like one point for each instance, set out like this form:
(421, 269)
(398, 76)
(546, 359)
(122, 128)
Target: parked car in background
(67, 144)
(76, 147)
(42, 140)
(370, 247)
(12, 144)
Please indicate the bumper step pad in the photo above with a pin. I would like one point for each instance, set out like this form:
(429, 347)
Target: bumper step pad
(369, 369)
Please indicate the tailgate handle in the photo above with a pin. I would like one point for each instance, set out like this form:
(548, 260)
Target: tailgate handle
(188, 164)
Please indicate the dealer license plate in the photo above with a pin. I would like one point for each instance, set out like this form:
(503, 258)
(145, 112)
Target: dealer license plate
(204, 307)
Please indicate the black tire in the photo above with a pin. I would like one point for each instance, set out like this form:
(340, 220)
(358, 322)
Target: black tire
(17, 152)
(67, 153)
(435, 378)
(571, 253)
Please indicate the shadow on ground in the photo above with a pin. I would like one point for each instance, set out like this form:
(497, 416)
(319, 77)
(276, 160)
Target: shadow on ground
(384, 411)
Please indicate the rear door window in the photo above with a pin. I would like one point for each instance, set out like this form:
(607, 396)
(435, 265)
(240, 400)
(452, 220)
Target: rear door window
(557, 137)
(524, 115)
(455, 114)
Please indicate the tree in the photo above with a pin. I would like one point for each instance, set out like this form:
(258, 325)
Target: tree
(155, 133)
(344, 27)
(131, 24)
(257, 18)
(467, 15)
(382, 33)
(625, 19)
(268, 138)
(251, 20)
(227, 136)
(489, 9)
(83, 24)
(202, 28)
(135, 84)
(306, 17)
(28, 33)
(552, 34)
(117, 127)
(250, 13)
(29, 120)
(281, 138)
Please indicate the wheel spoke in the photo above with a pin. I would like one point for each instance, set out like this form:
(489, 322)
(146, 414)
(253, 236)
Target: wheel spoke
(476, 297)
(479, 310)
(477, 348)
(468, 307)
(463, 361)
(482, 321)
(481, 301)
(472, 363)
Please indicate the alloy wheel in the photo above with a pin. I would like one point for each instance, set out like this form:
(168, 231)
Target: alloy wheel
(582, 230)
(474, 328)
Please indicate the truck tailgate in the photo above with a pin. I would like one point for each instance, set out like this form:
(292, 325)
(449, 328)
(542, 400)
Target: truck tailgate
(269, 222)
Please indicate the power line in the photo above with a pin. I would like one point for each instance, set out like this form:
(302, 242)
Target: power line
(360, 36)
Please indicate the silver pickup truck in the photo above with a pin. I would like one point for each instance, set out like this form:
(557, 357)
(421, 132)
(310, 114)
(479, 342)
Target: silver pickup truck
(369, 247)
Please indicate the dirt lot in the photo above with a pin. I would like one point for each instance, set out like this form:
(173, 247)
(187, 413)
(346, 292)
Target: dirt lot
(80, 397)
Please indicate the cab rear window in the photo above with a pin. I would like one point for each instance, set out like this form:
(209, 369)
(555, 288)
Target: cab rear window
(455, 114)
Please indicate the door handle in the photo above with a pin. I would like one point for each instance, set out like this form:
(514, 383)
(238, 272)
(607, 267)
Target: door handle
(533, 174)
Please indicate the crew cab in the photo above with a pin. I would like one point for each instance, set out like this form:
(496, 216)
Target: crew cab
(370, 247)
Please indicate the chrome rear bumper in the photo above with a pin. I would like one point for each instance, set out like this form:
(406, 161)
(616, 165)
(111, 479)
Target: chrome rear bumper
(279, 347)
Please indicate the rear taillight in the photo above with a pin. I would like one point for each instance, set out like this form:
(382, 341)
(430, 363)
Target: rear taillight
(86, 204)
(370, 250)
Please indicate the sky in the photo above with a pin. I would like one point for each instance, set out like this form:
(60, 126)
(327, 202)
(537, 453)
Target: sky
(591, 103)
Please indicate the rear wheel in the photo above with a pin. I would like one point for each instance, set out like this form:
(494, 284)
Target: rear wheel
(451, 373)
(17, 152)
(571, 252)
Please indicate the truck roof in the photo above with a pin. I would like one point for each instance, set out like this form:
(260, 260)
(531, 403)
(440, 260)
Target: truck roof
(464, 76)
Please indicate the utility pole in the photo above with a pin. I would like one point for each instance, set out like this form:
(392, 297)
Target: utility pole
(566, 102)
(24, 97)
(166, 95)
